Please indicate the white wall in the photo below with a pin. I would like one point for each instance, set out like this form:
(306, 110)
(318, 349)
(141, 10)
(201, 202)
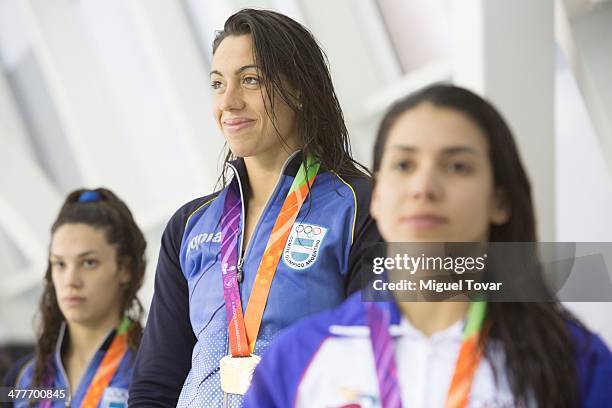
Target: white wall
(584, 187)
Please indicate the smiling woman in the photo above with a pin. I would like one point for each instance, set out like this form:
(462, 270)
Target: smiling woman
(243, 109)
(90, 315)
(280, 255)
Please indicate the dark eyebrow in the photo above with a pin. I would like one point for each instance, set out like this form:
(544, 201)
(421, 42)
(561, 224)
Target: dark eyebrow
(403, 148)
(461, 149)
(447, 150)
(81, 255)
(238, 71)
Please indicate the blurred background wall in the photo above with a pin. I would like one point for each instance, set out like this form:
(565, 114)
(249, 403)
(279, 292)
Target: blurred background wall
(115, 93)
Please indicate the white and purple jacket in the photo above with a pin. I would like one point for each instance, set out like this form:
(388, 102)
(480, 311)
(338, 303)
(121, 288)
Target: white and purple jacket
(327, 361)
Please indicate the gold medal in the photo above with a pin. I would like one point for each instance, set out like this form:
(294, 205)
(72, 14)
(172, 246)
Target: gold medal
(237, 372)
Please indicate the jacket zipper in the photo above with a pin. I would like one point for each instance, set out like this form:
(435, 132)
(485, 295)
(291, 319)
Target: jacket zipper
(241, 257)
(69, 391)
(63, 371)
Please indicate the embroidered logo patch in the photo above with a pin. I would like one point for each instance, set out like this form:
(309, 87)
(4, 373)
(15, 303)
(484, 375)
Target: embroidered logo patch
(303, 245)
(114, 398)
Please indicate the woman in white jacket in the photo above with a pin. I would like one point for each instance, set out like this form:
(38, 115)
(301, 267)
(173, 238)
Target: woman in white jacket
(446, 170)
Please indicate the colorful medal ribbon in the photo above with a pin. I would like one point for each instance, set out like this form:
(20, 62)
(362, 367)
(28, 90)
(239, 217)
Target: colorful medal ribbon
(469, 357)
(108, 367)
(47, 382)
(384, 359)
(243, 330)
(465, 367)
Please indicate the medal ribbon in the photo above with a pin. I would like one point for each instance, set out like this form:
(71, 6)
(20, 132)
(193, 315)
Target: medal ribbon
(108, 367)
(382, 346)
(386, 369)
(469, 357)
(243, 329)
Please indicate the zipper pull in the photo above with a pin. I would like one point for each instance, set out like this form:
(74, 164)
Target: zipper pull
(240, 274)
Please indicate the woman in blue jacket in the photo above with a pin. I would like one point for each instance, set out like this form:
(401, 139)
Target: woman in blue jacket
(89, 312)
(280, 241)
(446, 170)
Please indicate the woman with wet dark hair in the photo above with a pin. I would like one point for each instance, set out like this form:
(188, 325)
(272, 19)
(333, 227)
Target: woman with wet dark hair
(446, 170)
(89, 313)
(275, 244)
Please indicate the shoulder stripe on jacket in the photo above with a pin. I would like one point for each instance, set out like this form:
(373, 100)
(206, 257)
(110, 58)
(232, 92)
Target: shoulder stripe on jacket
(355, 201)
(199, 208)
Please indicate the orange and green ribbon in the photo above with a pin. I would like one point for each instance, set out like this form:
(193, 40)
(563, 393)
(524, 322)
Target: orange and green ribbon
(243, 330)
(469, 357)
(108, 367)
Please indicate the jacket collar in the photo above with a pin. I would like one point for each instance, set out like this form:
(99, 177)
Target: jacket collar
(238, 166)
(61, 343)
(355, 325)
(62, 336)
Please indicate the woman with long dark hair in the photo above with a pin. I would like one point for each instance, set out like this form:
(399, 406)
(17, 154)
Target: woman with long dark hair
(446, 170)
(282, 238)
(89, 313)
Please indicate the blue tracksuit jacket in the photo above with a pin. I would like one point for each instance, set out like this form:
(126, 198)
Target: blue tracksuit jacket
(115, 395)
(186, 333)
